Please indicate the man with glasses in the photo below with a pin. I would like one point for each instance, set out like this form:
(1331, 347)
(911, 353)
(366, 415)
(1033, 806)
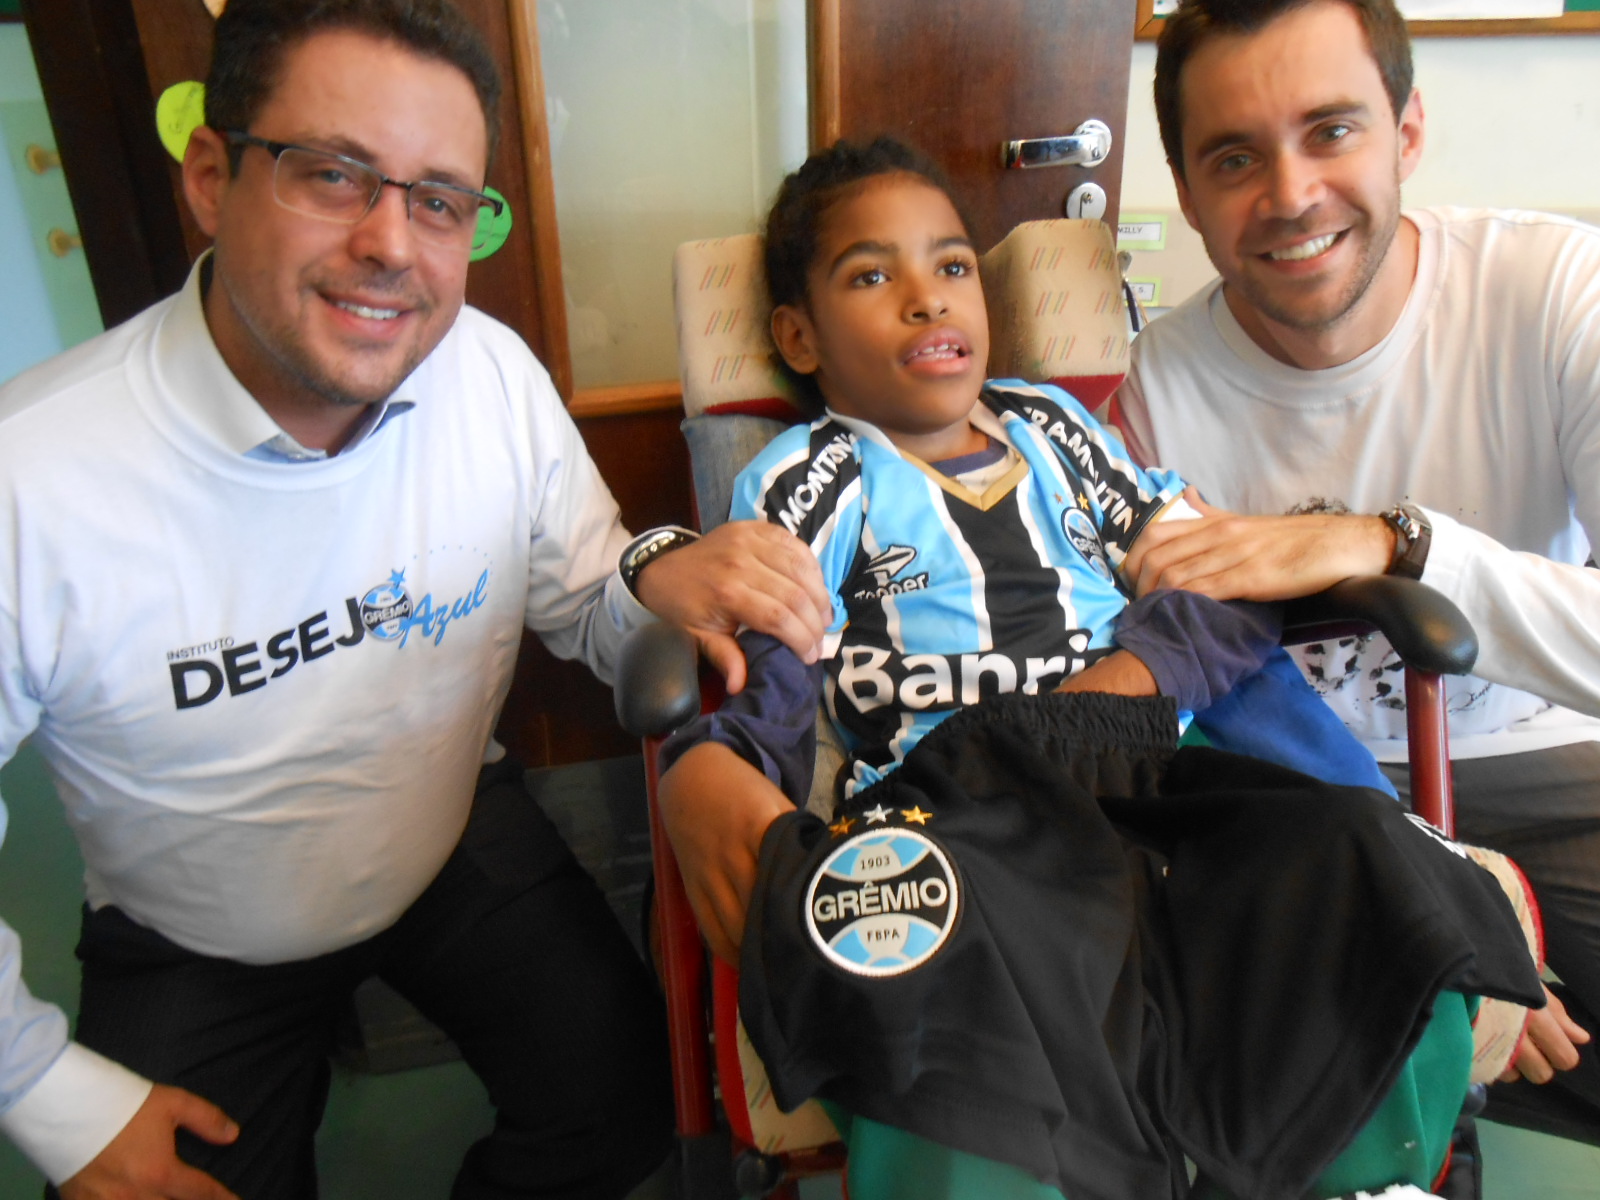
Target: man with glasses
(266, 553)
(333, 187)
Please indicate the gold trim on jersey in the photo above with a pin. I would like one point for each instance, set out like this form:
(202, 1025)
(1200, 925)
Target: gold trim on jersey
(996, 491)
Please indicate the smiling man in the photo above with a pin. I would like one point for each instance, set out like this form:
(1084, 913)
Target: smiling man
(1438, 367)
(266, 555)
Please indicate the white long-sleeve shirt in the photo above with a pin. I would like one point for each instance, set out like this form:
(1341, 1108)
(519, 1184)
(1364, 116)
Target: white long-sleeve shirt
(1482, 406)
(264, 688)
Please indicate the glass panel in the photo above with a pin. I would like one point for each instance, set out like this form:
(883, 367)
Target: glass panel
(670, 120)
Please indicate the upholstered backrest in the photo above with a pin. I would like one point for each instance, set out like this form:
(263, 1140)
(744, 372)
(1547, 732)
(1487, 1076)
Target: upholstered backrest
(724, 349)
(1054, 295)
(1056, 315)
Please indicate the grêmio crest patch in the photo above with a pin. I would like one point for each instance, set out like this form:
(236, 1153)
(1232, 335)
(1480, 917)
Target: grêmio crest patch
(882, 902)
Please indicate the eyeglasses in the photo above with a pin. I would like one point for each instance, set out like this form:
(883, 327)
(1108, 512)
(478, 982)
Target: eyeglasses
(331, 187)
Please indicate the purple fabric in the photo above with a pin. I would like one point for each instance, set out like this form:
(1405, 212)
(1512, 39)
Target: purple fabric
(1198, 648)
(772, 724)
(988, 456)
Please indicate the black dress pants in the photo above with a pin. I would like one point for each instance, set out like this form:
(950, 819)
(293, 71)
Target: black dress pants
(511, 950)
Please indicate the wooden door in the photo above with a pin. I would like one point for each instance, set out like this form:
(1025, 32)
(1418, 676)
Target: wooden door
(958, 79)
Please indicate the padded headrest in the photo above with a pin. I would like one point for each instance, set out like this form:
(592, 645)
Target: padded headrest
(1056, 313)
(1053, 291)
(724, 348)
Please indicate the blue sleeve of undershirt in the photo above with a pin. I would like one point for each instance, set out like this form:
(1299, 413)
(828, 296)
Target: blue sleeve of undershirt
(1274, 714)
(771, 724)
(1222, 662)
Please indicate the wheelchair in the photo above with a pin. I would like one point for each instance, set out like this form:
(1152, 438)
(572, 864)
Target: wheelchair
(1060, 313)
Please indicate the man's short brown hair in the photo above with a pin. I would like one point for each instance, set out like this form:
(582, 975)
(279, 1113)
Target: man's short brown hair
(253, 36)
(1197, 20)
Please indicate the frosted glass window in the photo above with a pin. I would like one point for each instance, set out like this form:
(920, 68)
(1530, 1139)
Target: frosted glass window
(669, 120)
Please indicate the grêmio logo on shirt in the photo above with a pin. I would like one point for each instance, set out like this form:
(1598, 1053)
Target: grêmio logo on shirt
(201, 673)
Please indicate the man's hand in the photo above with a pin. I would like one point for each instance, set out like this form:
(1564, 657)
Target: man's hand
(715, 807)
(141, 1162)
(1231, 557)
(1120, 671)
(1549, 1044)
(741, 573)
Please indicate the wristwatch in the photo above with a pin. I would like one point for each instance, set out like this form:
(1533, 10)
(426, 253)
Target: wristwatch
(649, 546)
(1412, 537)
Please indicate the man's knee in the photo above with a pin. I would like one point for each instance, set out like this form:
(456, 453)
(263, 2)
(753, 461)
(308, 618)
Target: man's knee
(596, 1148)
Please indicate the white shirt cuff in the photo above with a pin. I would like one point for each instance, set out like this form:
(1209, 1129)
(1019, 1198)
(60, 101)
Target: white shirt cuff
(629, 611)
(73, 1111)
(1449, 554)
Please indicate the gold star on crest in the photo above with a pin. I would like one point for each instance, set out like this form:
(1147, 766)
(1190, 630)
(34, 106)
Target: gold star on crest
(842, 826)
(915, 816)
(1083, 501)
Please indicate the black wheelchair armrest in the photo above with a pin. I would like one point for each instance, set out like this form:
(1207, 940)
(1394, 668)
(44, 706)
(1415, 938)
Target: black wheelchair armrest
(657, 686)
(1426, 629)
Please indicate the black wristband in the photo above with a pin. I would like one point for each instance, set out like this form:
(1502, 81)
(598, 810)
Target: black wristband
(649, 546)
(1412, 537)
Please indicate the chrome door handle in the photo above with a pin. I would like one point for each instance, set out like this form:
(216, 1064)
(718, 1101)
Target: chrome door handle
(1089, 146)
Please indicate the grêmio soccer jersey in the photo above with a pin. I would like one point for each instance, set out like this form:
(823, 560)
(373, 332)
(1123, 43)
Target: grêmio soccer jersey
(942, 596)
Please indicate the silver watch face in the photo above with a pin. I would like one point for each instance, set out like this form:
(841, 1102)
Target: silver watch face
(649, 549)
(1404, 523)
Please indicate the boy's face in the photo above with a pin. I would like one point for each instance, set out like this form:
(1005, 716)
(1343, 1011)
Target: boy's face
(894, 327)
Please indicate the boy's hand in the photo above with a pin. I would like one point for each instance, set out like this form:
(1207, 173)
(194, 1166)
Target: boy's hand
(1549, 1044)
(743, 573)
(716, 807)
(1231, 557)
(1120, 671)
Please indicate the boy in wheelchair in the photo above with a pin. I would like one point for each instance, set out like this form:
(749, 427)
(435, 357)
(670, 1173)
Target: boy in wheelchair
(1039, 950)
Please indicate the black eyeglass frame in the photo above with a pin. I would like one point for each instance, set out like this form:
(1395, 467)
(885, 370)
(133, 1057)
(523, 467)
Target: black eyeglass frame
(237, 137)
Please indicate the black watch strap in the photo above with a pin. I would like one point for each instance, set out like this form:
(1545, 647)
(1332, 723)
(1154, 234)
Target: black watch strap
(1412, 536)
(649, 546)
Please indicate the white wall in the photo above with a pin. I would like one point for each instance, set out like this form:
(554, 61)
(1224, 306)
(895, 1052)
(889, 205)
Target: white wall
(1511, 121)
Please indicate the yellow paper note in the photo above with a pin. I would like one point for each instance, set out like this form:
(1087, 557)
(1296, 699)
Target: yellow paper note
(179, 112)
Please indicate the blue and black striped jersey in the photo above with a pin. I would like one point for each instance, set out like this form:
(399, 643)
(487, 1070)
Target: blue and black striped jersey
(943, 597)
